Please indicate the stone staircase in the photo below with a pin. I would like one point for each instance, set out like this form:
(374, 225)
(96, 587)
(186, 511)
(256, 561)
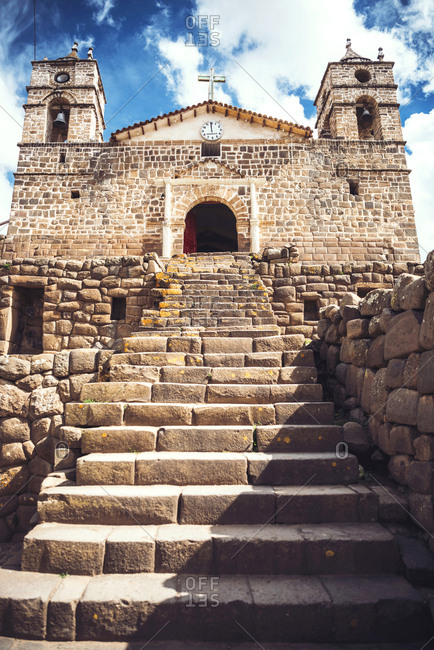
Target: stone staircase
(210, 502)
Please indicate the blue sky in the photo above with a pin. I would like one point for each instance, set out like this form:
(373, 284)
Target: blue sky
(273, 55)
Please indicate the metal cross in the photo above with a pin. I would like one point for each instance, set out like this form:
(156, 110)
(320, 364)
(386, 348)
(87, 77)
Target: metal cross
(212, 79)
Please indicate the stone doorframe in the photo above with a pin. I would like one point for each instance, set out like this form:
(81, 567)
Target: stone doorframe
(181, 195)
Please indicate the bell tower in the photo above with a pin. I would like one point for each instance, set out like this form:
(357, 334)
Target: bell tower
(357, 99)
(65, 100)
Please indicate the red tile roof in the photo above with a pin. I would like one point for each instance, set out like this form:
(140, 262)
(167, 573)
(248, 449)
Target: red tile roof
(219, 107)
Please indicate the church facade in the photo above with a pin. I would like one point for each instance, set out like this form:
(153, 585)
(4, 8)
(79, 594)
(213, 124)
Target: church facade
(213, 177)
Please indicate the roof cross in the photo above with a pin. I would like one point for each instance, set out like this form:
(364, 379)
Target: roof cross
(212, 79)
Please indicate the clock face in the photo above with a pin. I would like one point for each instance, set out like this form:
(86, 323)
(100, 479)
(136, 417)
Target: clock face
(211, 131)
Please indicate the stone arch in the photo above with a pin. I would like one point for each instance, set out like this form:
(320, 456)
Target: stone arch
(185, 200)
(368, 129)
(57, 103)
(194, 168)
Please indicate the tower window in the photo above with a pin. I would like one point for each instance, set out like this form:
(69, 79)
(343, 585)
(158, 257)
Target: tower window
(362, 75)
(354, 187)
(119, 309)
(61, 77)
(75, 194)
(62, 157)
(210, 149)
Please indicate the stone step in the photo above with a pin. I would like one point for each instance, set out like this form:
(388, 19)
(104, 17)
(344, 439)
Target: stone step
(220, 360)
(215, 468)
(166, 392)
(161, 414)
(294, 439)
(307, 549)
(209, 608)
(258, 331)
(253, 375)
(207, 504)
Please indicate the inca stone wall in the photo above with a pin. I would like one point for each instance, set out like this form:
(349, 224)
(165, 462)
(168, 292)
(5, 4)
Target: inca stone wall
(379, 353)
(109, 199)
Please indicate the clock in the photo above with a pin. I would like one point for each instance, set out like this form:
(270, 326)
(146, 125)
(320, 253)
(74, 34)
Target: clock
(211, 131)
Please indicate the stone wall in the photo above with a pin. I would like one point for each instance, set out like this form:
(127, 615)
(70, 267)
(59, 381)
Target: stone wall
(77, 297)
(33, 392)
(379, 356)
(292, 284)
(98, 199)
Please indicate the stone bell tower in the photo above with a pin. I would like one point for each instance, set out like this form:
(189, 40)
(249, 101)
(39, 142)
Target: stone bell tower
(65, 101)
(357, 99)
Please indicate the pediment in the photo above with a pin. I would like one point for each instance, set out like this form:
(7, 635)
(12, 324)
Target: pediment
(185, 124)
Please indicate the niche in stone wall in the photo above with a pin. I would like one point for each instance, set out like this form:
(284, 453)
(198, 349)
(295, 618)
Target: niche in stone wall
(311, 310)
(58, 112)
(26, 320)
(368, 120)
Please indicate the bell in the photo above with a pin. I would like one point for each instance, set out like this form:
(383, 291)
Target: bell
(60, 121)
(366, 116)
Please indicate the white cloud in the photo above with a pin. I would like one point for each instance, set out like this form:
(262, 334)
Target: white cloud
(419, 133)
(102, 13)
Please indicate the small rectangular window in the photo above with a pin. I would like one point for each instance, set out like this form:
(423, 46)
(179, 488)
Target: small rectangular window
(62, 157)
(75, 194)
(119, 309)
(354, 188)
(210, 149)
(311, 310)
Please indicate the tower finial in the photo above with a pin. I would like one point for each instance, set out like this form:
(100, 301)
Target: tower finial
(75, 47)
(90, 53)
(380, 56)
(348, 43)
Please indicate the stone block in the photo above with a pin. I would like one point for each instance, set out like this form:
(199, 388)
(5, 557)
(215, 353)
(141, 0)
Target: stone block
(233, 414)
(187, 344)
(83, 415)
(183, 549)
(106, 469)
(402, 438)
(365, 395)
(130, 549)
(62, 608)
(402, 406)
(357, 328)
(355, 351)
(194, 468)
(61, 364)
(278, 343)
(83, 361)
(427, 327)
(13, 401)
(421, 507)
(398, 467)
(45, 401)
(425, 414)
(383, 438)
(356, 437)
(14, 430)
(429, 271)
(354, 381)
(13, 368)
(395, 373)
(379, 393)
(425, 373)
(402, 335)
(413, 295)
(375, 358)
(411, 370)
(420, 476)
(424, 447)
(375, 301)
(12, 453)
(117, 392)
(89, 295)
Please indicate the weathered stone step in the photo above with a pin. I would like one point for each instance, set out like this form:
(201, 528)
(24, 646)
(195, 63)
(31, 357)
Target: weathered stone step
(207, 504)
(217, 360)
(250, 375)
(161, 414)
(330, 608)
(215, 468)
(257, 331)
(293, 439)
(166, 392)
(308, 549)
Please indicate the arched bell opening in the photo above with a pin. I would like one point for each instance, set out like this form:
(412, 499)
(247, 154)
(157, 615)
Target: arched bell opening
(210, 227)
(58, 112)
(368, 120)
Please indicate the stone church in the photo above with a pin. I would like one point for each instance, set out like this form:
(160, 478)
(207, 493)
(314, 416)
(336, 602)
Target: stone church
(213, 177)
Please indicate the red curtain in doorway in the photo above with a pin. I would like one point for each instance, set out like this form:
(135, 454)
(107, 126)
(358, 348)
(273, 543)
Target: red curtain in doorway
(190, 237)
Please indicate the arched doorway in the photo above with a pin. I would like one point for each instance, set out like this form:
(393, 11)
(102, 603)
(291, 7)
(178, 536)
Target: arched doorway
(210, 227)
